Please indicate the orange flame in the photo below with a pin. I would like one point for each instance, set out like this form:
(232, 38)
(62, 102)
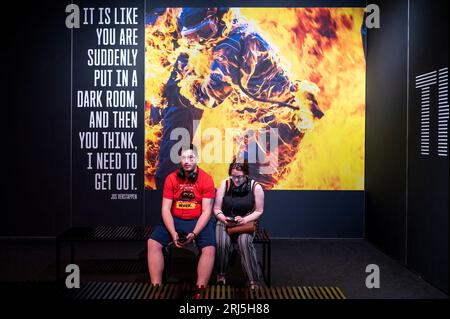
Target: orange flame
(321, 49)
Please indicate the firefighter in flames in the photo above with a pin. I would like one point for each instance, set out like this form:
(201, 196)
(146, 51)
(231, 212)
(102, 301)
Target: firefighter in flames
(246, 70)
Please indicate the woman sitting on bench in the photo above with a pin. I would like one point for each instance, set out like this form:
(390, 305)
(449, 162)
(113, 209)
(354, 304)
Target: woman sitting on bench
(239, 202)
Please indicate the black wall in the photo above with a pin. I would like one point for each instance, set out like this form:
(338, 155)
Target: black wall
(406, 192)
(386, 130)
(36, 98)
(428, 224)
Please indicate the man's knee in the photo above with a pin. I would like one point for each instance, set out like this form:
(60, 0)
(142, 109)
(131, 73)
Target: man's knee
(153, 245)
(209, 251)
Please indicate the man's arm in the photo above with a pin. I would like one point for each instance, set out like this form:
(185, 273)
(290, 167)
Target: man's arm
(205, 216)
(168, 219)
(202, 220)
(166, 207)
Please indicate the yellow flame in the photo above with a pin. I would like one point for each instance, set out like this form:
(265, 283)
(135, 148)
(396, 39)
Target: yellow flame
(321, 49)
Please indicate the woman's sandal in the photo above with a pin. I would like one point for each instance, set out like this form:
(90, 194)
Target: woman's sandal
(253, 286)
(221, 282)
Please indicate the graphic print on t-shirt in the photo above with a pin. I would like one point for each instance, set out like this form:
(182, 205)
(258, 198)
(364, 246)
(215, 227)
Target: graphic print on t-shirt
(186, 199)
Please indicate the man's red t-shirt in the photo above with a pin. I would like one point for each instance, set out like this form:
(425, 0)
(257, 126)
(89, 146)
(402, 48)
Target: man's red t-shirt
(187, 195)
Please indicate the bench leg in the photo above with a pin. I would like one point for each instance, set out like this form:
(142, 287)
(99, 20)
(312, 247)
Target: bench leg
(269, 261)
(264, 265)
(72, 253)
(58, 261)
(167, 263)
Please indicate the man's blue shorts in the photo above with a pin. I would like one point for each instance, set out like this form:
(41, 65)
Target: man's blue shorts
(207, 236)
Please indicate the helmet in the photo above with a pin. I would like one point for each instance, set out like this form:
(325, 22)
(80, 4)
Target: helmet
(198, 24)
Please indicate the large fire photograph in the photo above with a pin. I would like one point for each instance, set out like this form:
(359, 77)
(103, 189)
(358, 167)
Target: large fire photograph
(298, 73)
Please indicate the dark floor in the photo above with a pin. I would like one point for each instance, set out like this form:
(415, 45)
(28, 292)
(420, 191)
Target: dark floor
(315, 262)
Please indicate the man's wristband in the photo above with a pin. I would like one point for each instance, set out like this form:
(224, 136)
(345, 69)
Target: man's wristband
(219, 213)
(195, 235)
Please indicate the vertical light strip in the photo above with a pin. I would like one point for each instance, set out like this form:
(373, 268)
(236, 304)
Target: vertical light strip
(365, 124)
(424, 82)
(442, 147)
(143, 157)
(71, 127)
(407, 140)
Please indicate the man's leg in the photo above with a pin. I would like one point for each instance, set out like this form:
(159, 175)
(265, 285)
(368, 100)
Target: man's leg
(205, 265)
(155, 260)
(206, 241)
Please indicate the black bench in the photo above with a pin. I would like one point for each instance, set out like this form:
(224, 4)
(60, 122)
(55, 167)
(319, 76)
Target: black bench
(140, 234)
(97, 234)
(261, 237)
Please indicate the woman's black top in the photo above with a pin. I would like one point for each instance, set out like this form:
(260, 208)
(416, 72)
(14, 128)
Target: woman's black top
(239, 201)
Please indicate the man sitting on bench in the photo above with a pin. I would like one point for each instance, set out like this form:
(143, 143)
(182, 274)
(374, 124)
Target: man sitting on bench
(186, 216)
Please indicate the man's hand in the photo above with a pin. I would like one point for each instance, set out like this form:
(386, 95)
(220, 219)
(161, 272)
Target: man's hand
(175, 240)
(190, 237)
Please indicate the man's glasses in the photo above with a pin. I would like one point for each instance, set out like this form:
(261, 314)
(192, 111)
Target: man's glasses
(237, 177)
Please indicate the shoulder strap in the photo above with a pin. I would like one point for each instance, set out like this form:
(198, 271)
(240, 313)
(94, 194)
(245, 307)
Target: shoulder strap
(253, 183)
(227, 187)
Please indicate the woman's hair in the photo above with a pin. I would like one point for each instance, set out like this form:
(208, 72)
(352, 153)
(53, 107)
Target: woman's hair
(243, 167)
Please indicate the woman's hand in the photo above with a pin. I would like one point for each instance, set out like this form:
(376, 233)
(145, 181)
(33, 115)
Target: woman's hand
(240, 220)
(222, 218)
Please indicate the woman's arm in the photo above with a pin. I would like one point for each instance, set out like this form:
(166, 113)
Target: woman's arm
(218, 202)
(259, 205)
(219, 198)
